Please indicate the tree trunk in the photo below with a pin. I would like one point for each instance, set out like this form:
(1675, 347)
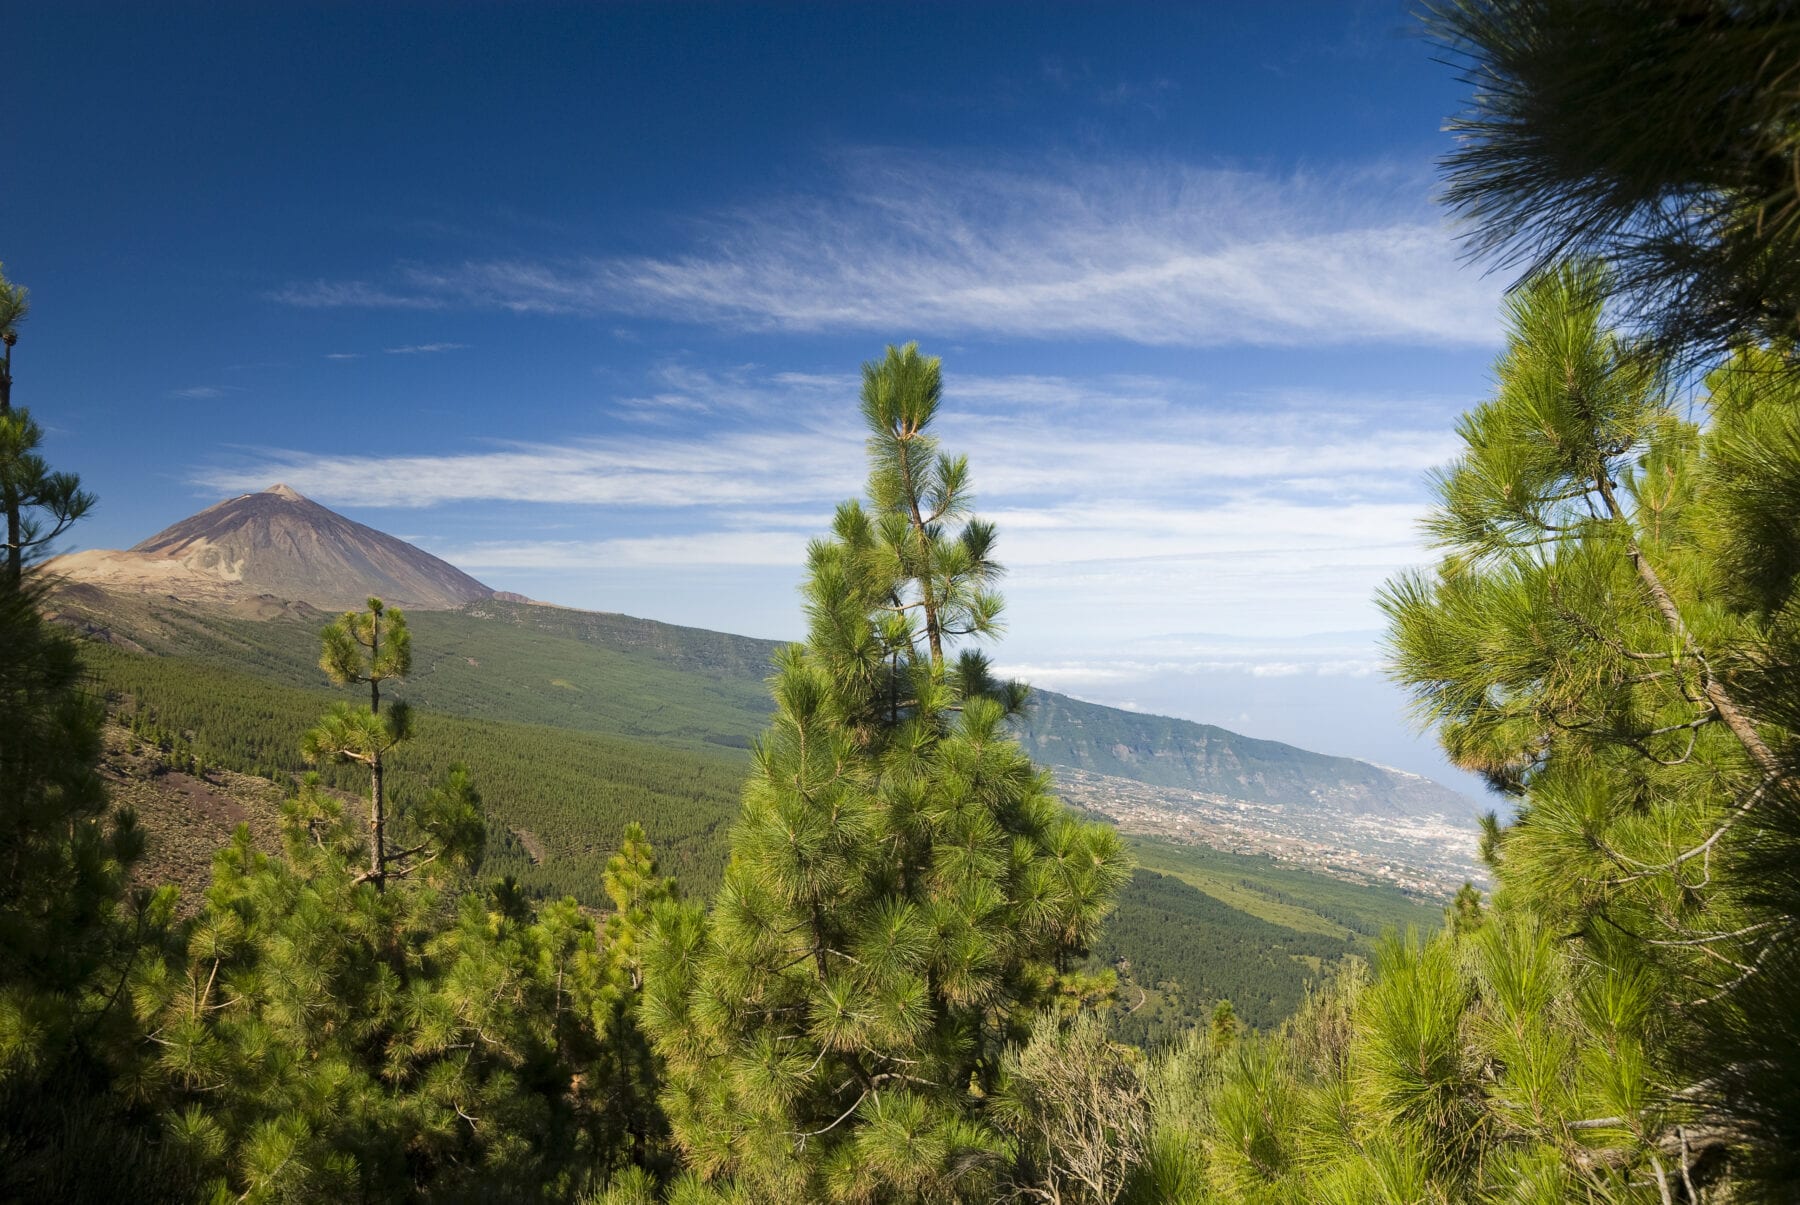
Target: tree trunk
(1721, 700)
(377, 863)
(377, 825)
(918, 523)
(15, 552)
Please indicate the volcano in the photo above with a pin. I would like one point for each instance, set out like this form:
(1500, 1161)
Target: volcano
(279, 544)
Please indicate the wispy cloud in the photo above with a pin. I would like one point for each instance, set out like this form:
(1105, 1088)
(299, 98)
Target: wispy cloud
(329, 294)
(805, 451)
(198, 392)
(423, 349)
(1280, 511)
(620, 472)
(1147, 253)
(722, 548)
(1052, 453)
(343, 355)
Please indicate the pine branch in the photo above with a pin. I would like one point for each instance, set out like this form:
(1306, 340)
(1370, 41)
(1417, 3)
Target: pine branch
(841, 1118)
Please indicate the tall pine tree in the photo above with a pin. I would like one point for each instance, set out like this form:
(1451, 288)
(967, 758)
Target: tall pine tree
(69, 934)
(904, 893)
(1605, 641)
(1609, 638)
(367, 648)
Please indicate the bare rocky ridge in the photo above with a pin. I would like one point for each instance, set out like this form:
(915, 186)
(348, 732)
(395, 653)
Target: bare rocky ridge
(277, 545)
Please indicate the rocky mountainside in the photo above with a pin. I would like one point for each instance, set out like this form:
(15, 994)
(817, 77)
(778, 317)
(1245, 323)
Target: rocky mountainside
(282, 545)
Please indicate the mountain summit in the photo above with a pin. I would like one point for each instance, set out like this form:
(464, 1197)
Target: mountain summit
(279, 543)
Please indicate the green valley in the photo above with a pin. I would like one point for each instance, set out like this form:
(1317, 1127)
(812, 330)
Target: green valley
(576, 723)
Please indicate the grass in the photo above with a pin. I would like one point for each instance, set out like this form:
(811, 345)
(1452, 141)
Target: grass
(1284, 895)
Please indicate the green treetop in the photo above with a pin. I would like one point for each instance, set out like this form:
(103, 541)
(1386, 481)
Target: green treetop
(39, 505)
(367, 646)
(914, 491)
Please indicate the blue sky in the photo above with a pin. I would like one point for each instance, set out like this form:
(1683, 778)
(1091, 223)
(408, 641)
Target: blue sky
(576, 297)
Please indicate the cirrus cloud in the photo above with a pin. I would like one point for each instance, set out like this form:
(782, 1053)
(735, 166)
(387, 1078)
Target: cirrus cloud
(1149, 253)
(1270, 511)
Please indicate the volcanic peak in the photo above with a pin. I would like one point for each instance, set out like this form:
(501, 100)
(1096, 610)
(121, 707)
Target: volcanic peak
(281, 543)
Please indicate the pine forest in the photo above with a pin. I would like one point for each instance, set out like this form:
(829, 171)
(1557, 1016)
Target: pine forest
(458, 915)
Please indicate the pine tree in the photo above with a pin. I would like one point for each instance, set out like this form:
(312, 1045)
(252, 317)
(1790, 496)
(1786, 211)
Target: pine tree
(311, 1034)
(1740, 1062)
(1588, 645)
(61, 864)
(628, 1065)
(367, 647)
(69, 934)
(1663, 137)
(1488, 1069)
(1223, 1028)
(1609, 640)
(1463, 915)
(904, 893)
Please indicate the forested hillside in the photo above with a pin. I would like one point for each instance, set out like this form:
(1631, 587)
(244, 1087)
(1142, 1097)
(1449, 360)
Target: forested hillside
(558, 800)
(636, 677)
(567, 795)
(1186, 951)
(508, 661)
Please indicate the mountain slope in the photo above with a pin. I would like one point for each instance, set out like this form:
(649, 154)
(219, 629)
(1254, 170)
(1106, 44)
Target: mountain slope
(1058, 730)
(600, 672)
(1067, 732)
(489, 656)
(280, 544)
(1167, 752)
